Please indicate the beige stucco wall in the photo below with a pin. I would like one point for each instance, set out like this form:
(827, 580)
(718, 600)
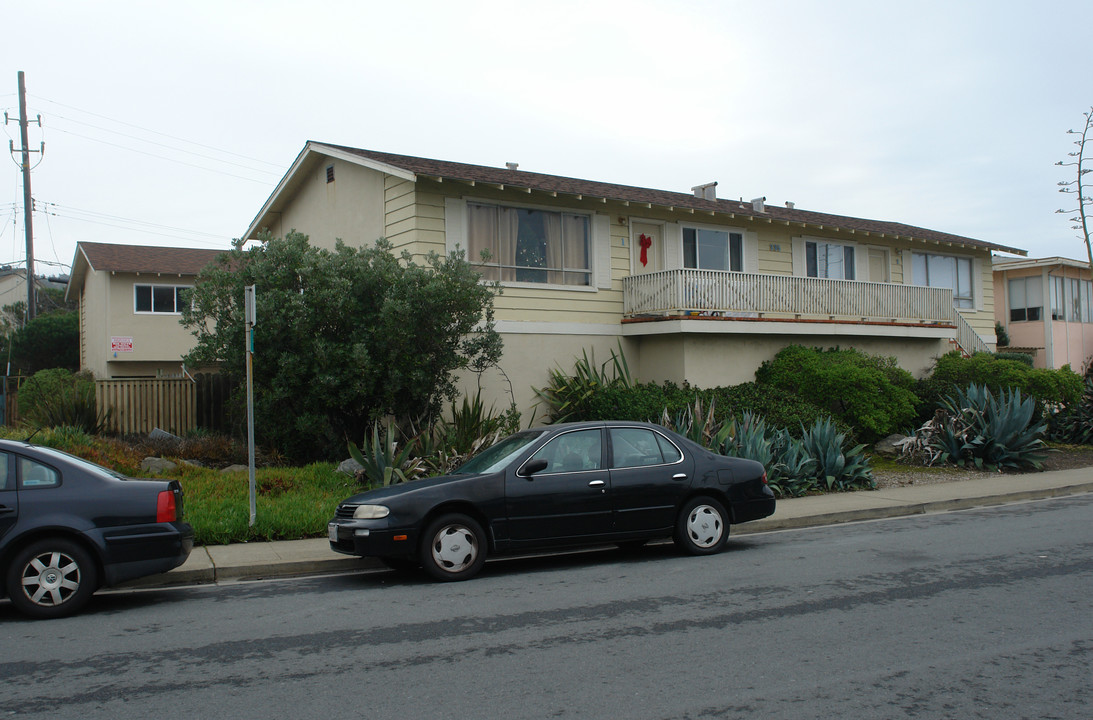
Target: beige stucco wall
(94, 311)
(159, 340)
(701, 359)
(713, 360)
(350, 208)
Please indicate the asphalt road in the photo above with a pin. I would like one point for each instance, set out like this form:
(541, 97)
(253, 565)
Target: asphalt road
(975, 614)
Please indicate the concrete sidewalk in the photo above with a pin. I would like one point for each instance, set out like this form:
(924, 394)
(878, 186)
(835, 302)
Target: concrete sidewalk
(253, 561)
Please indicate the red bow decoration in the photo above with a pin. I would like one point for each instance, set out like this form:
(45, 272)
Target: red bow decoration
(645, 242)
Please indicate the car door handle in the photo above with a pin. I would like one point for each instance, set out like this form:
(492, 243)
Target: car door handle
(679, 476)
(4, 510)
(596, 483)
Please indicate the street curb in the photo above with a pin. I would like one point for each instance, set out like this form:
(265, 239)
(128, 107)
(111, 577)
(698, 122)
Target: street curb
(200, 568)
(908, 509)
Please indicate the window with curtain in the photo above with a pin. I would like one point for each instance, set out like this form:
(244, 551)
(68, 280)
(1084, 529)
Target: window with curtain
(1026, 298)
(1058, 298)
(705, 249)
(1079, 300)
(529, 245)
(829, 260)
(165, 299)
(945, 271)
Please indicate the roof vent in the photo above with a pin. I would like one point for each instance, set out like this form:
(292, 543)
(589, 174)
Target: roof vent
(790, 205)
(757, 204)
(706, 192)
(512, 166)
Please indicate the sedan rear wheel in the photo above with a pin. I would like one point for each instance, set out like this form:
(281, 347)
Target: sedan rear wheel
(702, 528)
(453, 547)
(51, 578)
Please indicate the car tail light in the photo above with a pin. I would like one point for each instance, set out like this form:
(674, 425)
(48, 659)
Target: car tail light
(165, 507)
(764, 477)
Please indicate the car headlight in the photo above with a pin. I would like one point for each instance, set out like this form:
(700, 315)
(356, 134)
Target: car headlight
(370, 512)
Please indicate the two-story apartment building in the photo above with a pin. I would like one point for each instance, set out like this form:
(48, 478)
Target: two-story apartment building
(697, 288)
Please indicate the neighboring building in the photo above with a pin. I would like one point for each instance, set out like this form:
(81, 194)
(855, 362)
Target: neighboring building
(13, 293)
(1046, 306)
(130, 307)
(697, 289)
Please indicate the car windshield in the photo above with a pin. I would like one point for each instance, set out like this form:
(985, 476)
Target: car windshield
(498, 456)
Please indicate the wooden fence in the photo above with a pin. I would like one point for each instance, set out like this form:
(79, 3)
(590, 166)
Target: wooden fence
(140, 405)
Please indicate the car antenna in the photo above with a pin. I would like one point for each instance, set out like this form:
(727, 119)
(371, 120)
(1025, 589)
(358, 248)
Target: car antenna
(38, 430)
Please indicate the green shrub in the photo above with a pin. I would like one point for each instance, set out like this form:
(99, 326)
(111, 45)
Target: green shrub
(57, 398)
(1074, 423)
(1018, 356)
(780, 407)
(953, 371)
(871, 394)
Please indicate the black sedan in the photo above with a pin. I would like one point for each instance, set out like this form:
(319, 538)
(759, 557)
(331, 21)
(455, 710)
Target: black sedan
(563, 485)
(68, 526)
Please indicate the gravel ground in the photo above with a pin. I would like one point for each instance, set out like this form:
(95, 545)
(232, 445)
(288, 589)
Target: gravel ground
(888, 476)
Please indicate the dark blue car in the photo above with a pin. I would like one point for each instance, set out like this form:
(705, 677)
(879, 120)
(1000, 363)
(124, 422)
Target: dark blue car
(69, 526)
(562, 485)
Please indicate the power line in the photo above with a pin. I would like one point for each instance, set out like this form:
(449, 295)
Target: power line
(89, 216)
(161, 157)
(163, 145)
(58, 210)
(162, 134)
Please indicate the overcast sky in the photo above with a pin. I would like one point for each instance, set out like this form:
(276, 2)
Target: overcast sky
(170, 124)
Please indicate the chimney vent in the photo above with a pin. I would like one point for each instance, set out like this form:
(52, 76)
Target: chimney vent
(757, 204)
(512, 166)
(790, 205)
(707, 191)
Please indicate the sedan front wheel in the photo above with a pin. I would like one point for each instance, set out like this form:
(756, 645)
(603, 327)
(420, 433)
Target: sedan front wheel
(453, 547)
(702, 528)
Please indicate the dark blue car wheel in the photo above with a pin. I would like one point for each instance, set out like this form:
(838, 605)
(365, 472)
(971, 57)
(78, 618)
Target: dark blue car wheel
(51, 578)
(453, 547)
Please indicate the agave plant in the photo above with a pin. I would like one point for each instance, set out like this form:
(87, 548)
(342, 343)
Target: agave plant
(566, 395)
(381, 460)
(836, 468)
(747, 438)
(992, 432)
(793, 471)
(697, 424)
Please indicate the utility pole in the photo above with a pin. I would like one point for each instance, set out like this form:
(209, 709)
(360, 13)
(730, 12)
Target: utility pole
(28, 202)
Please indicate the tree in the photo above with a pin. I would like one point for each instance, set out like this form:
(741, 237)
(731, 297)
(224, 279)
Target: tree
(343, 337)
(47, 341)
(1076, 186)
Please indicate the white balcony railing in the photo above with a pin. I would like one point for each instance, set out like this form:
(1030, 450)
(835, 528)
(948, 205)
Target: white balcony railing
(784, 296)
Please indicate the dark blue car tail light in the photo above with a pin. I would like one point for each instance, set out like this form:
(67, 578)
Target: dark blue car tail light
(166, 510)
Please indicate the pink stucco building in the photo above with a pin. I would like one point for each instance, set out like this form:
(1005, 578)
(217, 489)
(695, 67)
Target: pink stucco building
(1046, 307)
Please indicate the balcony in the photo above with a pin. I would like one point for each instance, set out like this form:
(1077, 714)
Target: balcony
(687, 293)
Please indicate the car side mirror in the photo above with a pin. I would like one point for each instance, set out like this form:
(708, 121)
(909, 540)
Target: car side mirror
(535, 466)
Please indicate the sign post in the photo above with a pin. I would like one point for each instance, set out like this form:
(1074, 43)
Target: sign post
(250, 321)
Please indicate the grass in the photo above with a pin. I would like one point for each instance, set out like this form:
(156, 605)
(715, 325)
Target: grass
(291, 503)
